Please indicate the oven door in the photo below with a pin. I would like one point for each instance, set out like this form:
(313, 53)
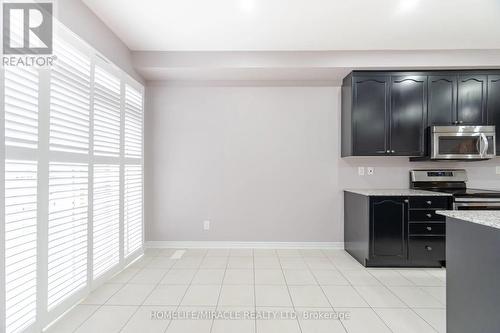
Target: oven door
(462, 145)
(483, 205)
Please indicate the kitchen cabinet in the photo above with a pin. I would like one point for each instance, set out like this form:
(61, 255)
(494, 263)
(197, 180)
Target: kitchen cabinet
(442, 100)
(388, 217)
(471, 100)
(387, 113)
(395, 231)
(408, 115)
(493, 106)
(457, 100)
(370, 108)
(384, 115)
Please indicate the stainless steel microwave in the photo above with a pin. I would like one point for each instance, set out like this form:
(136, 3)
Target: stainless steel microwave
(462, 142)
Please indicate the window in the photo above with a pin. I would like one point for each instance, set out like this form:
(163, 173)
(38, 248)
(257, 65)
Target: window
(106, 217)
(67, 252)
(73, 177)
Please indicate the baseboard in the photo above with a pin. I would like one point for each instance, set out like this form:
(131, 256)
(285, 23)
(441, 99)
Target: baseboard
(256, 245)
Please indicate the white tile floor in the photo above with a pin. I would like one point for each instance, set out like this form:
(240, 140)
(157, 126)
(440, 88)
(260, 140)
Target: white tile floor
(305, 282)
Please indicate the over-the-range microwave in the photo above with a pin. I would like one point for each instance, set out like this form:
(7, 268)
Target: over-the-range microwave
(462, 142)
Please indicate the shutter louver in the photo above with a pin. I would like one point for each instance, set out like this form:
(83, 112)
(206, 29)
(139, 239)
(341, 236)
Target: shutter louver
(69, 100)
(133, 199)
(68, 204)
(106, 213)
(133, 123)
(21, 107)
(106, 114)
(20, 244)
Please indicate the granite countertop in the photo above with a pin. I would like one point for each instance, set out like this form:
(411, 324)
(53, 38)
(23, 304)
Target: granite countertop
(490, 218)
(395, 192)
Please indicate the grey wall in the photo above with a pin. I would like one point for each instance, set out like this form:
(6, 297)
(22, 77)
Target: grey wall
(261, 163)
(75, 15)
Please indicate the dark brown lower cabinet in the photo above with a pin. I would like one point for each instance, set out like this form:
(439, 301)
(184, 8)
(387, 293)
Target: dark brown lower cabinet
(382, 231)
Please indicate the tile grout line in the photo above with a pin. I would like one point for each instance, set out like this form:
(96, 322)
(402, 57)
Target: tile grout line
(289, 293)
(149, 294)
(352, 286)
(408, 306)
(220, 290)
(188, 286)
(99, 306)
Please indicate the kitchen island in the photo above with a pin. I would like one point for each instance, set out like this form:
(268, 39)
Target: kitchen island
(472, 271)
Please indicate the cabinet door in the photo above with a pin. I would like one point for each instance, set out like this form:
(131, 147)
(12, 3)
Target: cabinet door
(493, 105)
(442, 106)
(369, 116)
(408, 115)
(471, 100)
(388, 223)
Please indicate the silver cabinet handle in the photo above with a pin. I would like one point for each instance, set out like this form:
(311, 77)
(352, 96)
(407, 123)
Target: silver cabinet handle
(393, 151)
(428, 248)
(429, 215)
(429, 228)
(388, 152)
(406, 200)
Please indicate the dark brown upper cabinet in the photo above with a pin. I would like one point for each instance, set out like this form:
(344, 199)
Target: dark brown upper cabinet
(493, 105)
(408, 115)
(457, 100)
(387, 113)
(471, 99)
(442, 100)
(383, 115)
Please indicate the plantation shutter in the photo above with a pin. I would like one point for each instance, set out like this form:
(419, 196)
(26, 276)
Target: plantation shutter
(133, 123)
(106, 211)
(133, 208)
(20, 244)
(67, 255)
(21, 107)
(69, 100)
(106, 114)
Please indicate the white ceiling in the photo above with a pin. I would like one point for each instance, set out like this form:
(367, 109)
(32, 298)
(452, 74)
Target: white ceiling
(256, 25)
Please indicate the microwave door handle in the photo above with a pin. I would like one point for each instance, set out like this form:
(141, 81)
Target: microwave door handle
(484, 145)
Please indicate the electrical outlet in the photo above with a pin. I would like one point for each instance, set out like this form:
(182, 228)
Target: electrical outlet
(361, 171)
(497, 170)
(206, 225)
(370, 171)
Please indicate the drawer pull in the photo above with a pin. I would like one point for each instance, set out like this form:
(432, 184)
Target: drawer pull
(406, 200)
(429, 215)
(429, 228)
(428, 248)
(429, 202)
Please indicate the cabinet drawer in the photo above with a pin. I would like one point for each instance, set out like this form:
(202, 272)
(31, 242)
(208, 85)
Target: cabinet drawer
(422, 248)
(429, 202)
(425, 215)
(427, 229)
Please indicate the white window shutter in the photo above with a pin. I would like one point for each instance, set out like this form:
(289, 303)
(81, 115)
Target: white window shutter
(106, 113)
(106, 212)
(69, 100)
(68, 204)
(20, 244)
(21, 107)
(133, 203)
(133, 122)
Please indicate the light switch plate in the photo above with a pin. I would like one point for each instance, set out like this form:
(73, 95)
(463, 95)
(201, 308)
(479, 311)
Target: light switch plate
(361, 171)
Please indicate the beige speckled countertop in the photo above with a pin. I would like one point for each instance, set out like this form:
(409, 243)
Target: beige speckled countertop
(395, 192)
(490, 218)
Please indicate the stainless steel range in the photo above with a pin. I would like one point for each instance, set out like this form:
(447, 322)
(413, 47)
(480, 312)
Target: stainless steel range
(454, 181)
